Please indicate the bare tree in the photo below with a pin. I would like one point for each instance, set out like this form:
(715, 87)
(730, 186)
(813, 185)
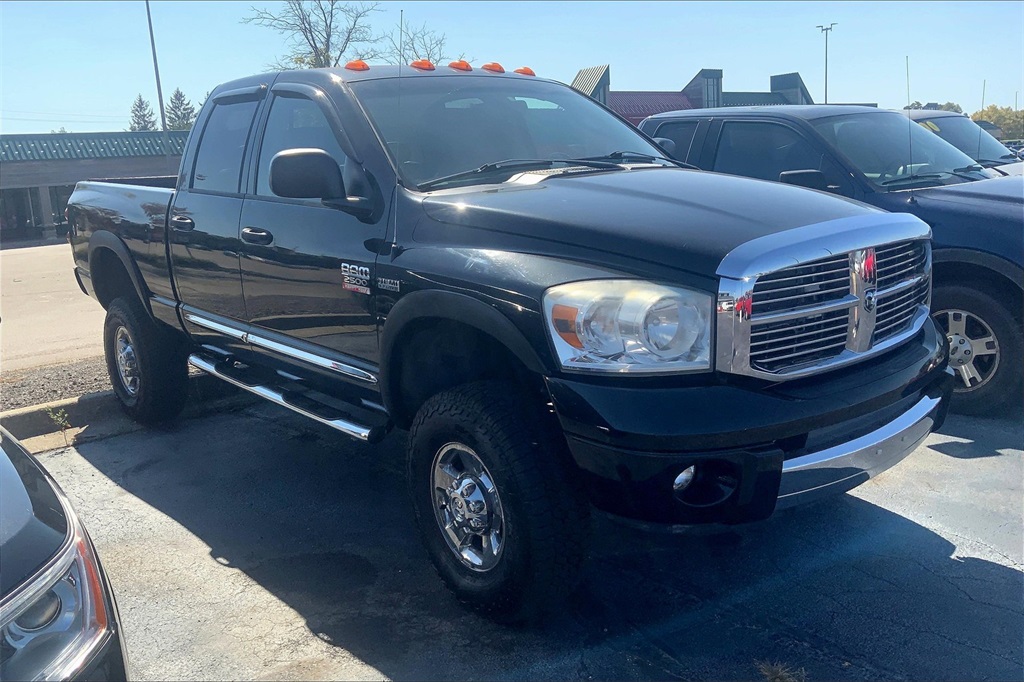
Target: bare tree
(321, 33)
(402, 46)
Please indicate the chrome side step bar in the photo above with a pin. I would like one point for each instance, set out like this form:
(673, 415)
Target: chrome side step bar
(368, 434)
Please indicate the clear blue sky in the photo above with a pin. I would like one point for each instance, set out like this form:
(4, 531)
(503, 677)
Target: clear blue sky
(80, 64)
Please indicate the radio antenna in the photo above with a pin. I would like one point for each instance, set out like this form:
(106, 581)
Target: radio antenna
(980, 129)
(398, 162)
(910, 133)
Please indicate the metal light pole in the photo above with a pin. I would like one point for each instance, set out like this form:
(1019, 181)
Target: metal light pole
(826, 30)
(156, 69)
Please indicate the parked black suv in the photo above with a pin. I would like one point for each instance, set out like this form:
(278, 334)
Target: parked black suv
(556, 314)
(58, 617)
(881, 158)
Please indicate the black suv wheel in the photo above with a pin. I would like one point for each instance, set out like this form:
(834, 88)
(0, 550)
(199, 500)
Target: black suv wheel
(985, 350)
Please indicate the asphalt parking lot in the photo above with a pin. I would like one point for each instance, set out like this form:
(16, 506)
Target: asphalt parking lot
(256, 545)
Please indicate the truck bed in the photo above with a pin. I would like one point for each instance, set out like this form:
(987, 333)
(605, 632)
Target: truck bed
(134, 212)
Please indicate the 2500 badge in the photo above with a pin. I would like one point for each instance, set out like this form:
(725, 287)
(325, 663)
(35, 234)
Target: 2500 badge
(356, 278)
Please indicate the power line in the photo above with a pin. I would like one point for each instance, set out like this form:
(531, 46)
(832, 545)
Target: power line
(58, 113)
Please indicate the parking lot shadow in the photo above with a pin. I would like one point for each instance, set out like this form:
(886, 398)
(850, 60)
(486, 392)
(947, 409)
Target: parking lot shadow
(970, 438)
(844, 589)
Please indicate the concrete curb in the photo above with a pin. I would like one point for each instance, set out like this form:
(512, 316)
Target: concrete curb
(98, 415)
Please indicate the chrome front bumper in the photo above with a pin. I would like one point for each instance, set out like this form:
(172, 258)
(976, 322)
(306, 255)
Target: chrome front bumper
(842, 467)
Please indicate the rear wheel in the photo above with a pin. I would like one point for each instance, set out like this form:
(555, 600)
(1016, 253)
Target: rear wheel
(503, 520)
(146, 363)
(985, 350)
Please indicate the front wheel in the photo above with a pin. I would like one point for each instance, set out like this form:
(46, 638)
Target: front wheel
(985, 350)
(502, 517)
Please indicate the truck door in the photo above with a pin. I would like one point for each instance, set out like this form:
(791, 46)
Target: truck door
(203, 225)
(307, 268)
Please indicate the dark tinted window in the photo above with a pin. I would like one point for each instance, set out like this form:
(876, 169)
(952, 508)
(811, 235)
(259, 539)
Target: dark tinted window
(440, 126)
(294, 122)
(218, 166)
(680, 132)
(763, 150)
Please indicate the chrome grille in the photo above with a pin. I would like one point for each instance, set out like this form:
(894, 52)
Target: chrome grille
(803, 285)
(777, 345)
(836, 308)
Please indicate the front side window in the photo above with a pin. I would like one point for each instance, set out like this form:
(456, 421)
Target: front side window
(294, 122)
(218, 166)
(681, 133)
(440, 126)
(763, 150)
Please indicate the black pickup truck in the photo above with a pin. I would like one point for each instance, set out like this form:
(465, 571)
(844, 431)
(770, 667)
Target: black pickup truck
(557, 315)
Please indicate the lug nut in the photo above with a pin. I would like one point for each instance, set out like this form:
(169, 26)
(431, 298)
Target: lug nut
(468, 490)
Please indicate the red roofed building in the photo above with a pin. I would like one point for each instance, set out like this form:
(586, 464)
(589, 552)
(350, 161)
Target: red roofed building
(704, 91)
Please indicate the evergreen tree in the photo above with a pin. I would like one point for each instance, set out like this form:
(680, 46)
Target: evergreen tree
(142, 116)
(180, 112)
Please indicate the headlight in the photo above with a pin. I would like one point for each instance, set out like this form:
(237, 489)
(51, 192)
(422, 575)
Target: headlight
(629, 326)
(50, 627)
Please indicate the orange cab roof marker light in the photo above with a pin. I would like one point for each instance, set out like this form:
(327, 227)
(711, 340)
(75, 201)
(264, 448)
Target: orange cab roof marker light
(460, 65)
(357, 65)
(526, 71)
(493, 67)
(422, 65)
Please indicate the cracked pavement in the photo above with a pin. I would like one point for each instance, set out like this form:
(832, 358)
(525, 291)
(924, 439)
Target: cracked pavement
(258, 545)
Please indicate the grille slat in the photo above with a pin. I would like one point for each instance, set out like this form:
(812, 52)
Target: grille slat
(789, 337)
(844, 280)
(821, 292)
(806, 335)
(791, 346)
(844, 271)
(823, 350)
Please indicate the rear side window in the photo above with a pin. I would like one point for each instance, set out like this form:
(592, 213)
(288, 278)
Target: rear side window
(680, 132)
(218, 166)
(763, 150)
(294, 122)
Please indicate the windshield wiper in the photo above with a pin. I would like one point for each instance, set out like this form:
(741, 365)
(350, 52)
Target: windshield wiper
(623, 155)
(513, 164)
(912, 178)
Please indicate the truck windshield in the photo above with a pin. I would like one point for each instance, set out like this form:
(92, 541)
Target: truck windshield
(438, 127)
(879, 145)
(970, 138)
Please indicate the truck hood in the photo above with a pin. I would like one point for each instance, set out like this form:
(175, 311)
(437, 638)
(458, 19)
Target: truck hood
(1007, 190)
(686, 220)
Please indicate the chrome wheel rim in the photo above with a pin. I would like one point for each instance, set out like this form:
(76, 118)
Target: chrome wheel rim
(127, 363)
(467, 507)
(973, 348)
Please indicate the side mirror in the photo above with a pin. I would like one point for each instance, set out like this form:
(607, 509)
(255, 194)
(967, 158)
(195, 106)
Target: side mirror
(306, 174)
(668, 145)
(811, 179)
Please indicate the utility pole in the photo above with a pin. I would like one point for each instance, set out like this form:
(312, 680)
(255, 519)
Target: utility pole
(826, 30)
(159, 92)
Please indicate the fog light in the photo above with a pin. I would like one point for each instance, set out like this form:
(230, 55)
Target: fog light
(684, 479)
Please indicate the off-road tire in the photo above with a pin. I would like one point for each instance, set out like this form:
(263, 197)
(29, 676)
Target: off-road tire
(161, 362)
(546, 514)
(1002, 394)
